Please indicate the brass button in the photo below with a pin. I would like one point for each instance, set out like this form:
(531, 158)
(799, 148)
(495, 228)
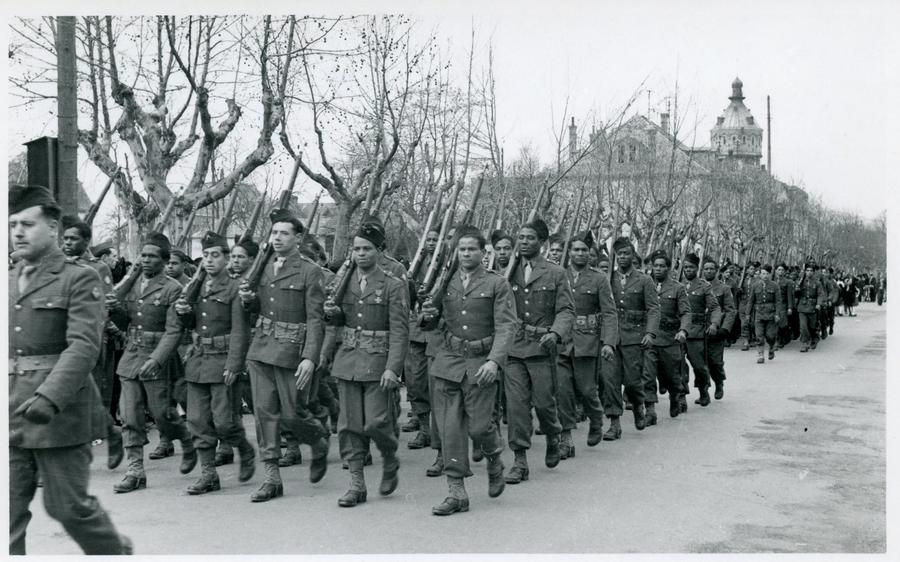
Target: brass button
(18, 307)
(18, 328)
(465, 327)
(463, 312)
(139, 314)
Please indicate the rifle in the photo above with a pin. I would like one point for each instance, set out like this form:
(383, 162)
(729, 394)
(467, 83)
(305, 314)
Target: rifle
(562, 217)
(313, 213)
(191, 291)
(255, 273)
(516, 258)
(419, 258)
(563, 261)
(437, 257)
(127, 282)
(95, 208)
(185, 236)
(254, 219)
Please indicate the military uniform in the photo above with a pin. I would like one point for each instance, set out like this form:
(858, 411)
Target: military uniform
(55, 331)
(596, 324)
(810, 298)
(665, 358)
(715, 345)
(415, 373)
(543, 304)
(703, 303)
(104, 372)
(768, 311)
(786, 296)
(374, 326)
(826, 313)
(746, 312)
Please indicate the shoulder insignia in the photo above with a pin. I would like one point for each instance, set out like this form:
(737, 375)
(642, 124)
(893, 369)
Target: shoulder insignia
(97, 293)
(308, 260)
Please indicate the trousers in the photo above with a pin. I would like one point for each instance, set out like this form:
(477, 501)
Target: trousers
(578, 376)
(629, 370)
(415, 375)
(808, 331)
(465, 410)
(65, 472)
(766, 331)
(530, 381)
(211, 416)
(665, 362)
(367, 412)
(131, 407)
(695, 350)
(715, 354)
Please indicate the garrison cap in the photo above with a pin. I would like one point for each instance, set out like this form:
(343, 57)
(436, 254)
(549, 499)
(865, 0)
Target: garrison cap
(23, 197)
(102, 248)
(284, 215)
(468, 230)
(585, 236)
(159, 240)
(539, 227)
(372, 230)
(557, 238)
(709, 259)
(212, 239)
(499, 235)
(661, 254)
(622, 242)
(249, 245)
(766, 267)
(692, 258)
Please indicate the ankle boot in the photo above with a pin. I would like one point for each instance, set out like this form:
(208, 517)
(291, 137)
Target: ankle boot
(412, 425)
(496, 484)
(247, 459)
(760, 355)
(165, 448)
(674, 406)
(519, 471)
(720, 390)
(357, 492)
(650, 413)
(457, 502)
(615, 429)
(389, 477)
(640, 418)
(423, 438)
(595, 433)
(224, 454)
(115, 451)
(209, 479)
(135, 478)
(188, 456)
(437, 468)
(551, 456)
(704, 397)
(771, 352)
(271, 486)
(291, 455)
(566, 446)
(319, 464)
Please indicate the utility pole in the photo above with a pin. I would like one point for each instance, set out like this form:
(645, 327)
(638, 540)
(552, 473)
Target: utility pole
(768, 136)
(67, 116)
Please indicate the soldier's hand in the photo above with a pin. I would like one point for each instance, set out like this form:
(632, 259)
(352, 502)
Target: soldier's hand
(487, 373)
(304, 373)
(647, 340)
(712, 331)
(790, 311)
(548, 343)
(182, 306)
(429, 311)
(389, 380)
(149, 369)
(229, 377)
(680, 336)
(244, 291)
(37, 409)
(607, 352)
(777, 318)
(112, 303)
(818, 307)
(331, 309)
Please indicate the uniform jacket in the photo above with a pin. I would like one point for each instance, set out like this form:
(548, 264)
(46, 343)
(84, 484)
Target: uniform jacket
(545, 302)
(484, 309)
(810, 292)
(637, 304)
(285, 302)
(596, 320)
(674, 312)
(330, 339)
(61, 313)
(725, 298)
(787, 288)
(832, 291)
(382, 307)
(220, 316)
(705, 308)
(151, 311)
(765, 300)
(101, 268)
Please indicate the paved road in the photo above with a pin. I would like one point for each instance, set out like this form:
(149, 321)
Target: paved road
(793, 460)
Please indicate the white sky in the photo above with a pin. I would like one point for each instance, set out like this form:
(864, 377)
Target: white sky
(827, 66)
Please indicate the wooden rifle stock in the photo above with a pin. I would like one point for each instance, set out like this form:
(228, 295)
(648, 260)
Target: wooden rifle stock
(564, 260)
(419, 258)
(191, 291)
(254, 219)
(95, 208)
(439, 250)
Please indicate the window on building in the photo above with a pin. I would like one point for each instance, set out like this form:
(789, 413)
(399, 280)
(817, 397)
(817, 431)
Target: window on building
(621, 154)
(632, 153)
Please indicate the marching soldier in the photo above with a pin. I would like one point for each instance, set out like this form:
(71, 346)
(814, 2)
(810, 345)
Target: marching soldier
(555, 248)
(703, 303)
(637, 304)
(479, 325)
(665, 358)
(594, 336)
(373, 318)
(768, 309)
(503, 249)
(285, 345)
(826, 313)
(149, 362)
(715, 343)
(56, 318)
(220, 336)
(811, 297)
(745, 311)
(175, 267)
(786, 296)
(546, 312)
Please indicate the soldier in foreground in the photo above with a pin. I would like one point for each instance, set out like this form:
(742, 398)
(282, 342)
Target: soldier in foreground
(546, 312)
(786, 296)
(768, 310)
(56, 317)
(665, 358)
(703, 303)
(479, 325)
(373, 317)
(220, 335)
(594, 336)
(286, 343)
(715, 343)
(810, 299)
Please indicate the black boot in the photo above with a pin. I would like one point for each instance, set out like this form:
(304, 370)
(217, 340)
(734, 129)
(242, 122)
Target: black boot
(650, 414)
(674, 406)
(595, 433)
(720, 390)
(248, 461)
(615, 429)
(357, 492)
(319, 464)
(188, 456)
(135, 478)
(209, 479)
(640, 418)
(389, 478)
(271, 487)
(437, 468)
(704, 397)
(115, 451)
(519, 471)
(423, 438)
(551, 457)
(496, 483)
(164, 449)
(224, 454)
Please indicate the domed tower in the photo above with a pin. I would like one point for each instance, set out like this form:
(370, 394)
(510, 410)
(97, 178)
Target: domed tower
(736, 134)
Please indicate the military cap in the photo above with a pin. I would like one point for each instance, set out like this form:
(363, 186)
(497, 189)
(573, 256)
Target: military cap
(212, 239)
(284, 215)
(159, 240)
(372, 230)
(182, 255)
(709, 259)
(766, 267)
(539, 227)
(250, 246)
(622, 242)
(585, 236)
(72, 221)
(661, 254)
(499, 235)
(102, 248)
(469, 231)
(557, 238)
(23, 197)
(692, 258)
(603, 257)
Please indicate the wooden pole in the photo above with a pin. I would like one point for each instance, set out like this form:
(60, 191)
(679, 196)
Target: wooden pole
(66, 116)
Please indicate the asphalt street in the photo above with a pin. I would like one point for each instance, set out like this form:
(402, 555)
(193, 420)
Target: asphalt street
(792, 460)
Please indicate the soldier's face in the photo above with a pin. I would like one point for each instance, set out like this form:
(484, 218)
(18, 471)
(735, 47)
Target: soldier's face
(504, 250)
(151, 260)
(529, 243)
(709, 271)
(240, 260)
(431, 240)
(623, 258)
(284, 239)
(214, 260)
(660, 269)
(73, 243)
(578, 253)
(690, 270)
(594, 258)
(751, 271)
(764, 275)
(364, 253)
(32, 234)
(174, 267)
(469, 252)
(604, 267)
(779, 272)
(554, 254)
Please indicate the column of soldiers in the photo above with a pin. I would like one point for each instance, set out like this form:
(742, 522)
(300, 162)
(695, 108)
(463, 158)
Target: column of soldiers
(526, 337)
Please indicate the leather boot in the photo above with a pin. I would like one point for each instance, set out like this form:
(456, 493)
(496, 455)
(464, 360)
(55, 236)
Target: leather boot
(457, 502)
(682, 402)
(495, 467)
(319, 464)
(389, 478)
(477, 453)
(165, 448)
(291, 455)
(437, 468)
(188, 456)
(411, 425)
(704, 397)
(746, 346)
(248, 460)
(551, 456)
(115, 451)
(720, 390)
(209, 479)
(760, 356)
(135, 478)
(357, 492)
(615, 429)
(519, 471)
(640, 417)
(271, 487)
(674, 406)
(804, 349)
(423, 438)
(771, 352)
(566, 446)
(224, 454)
(595, 433)
(650, 413)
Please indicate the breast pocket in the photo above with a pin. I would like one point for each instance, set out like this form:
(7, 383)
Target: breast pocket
(292, 298)
(634, 298)
(50, 319)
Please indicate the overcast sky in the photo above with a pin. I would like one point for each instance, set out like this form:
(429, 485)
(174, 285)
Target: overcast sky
(829, 67)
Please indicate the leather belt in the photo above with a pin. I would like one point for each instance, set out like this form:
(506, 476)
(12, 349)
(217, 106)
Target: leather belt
(468, 348)
(367, 340)
(25, 363)
(143, 337)
(215, 345)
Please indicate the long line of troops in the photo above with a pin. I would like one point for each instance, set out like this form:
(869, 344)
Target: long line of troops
(559, 342)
